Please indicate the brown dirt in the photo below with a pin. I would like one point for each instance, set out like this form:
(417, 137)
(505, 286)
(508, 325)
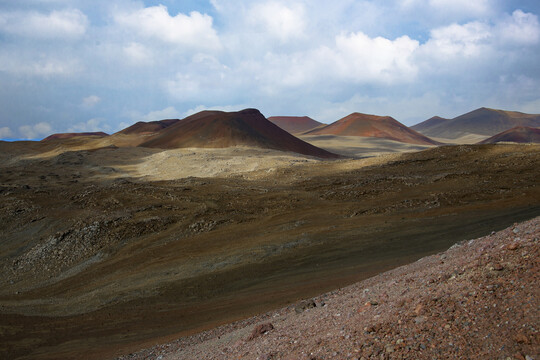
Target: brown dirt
(477, 300)
(98, 262)
(386, 127)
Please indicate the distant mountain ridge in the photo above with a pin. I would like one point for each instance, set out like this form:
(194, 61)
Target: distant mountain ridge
(295, 124)
(483, 121)
(385, 127)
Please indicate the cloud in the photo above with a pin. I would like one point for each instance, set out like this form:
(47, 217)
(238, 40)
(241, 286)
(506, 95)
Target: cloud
(92, 125)
(169, 112)
(284, 22)
(521, 28)
(5, 132)
(194, 30)
(91, 101)
(378, 59)
(38, 65)
(63, 24)
(468, 40)
(138, 54)
(35, 131)
(227, 108)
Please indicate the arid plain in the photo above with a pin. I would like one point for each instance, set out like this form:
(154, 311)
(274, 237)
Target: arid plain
(108, 247)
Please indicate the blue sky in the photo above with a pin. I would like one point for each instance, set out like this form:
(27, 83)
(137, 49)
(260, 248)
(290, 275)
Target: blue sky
(102, 65)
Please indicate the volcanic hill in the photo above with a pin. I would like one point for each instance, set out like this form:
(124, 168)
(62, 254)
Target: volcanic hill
(386, 127)
(483, 121)
(518, 134)
(433, 121)
(218, 129)
(143, 127)
(72, 135)
(295, 124)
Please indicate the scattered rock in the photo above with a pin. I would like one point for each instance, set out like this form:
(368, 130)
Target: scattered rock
(521, 338)
(304, 305)
(260, 330)
(513, 246)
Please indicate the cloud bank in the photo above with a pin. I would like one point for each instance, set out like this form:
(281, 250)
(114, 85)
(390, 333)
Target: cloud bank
(75, 65)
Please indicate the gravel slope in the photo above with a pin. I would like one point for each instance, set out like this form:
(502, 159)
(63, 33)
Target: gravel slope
(478, 300)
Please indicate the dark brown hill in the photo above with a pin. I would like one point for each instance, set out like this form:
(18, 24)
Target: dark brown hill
(436, 120)
(72, 135)
(519, 134)
(143, 127)
(386, 127)
(483, 121)
(218, 129)
(295, 124)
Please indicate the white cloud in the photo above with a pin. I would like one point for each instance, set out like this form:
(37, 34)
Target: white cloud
(193, 30)
(467, 40)
(283, 22)
(5, 132)
(166, 113)
(92, 125)
(91, 101)
(375, 59)
(66, 24)
(227, 108)
(35, 131)
(138, 54)
(41, 65)
(520, 28)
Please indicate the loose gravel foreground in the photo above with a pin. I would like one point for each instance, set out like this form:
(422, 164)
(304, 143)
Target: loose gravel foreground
(477, 300)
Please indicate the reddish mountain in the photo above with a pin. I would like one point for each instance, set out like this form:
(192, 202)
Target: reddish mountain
(142, 127)
(483, 121)
(386, 127)
(436, 120)
(72, 135)
(518, 134)
(295, 124)
(218, 129)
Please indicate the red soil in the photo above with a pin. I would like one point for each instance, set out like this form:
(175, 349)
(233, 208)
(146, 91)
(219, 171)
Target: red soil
(72, 135)
(386, 127)
(295, 124)
(218, 129)
(518, 134)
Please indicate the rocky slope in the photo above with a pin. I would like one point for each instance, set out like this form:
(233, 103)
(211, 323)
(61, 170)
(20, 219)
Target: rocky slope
(478, 300)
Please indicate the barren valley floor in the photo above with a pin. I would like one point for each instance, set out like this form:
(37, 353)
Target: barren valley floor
(98, 262)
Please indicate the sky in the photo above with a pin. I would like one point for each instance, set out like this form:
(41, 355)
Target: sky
(102, 65)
